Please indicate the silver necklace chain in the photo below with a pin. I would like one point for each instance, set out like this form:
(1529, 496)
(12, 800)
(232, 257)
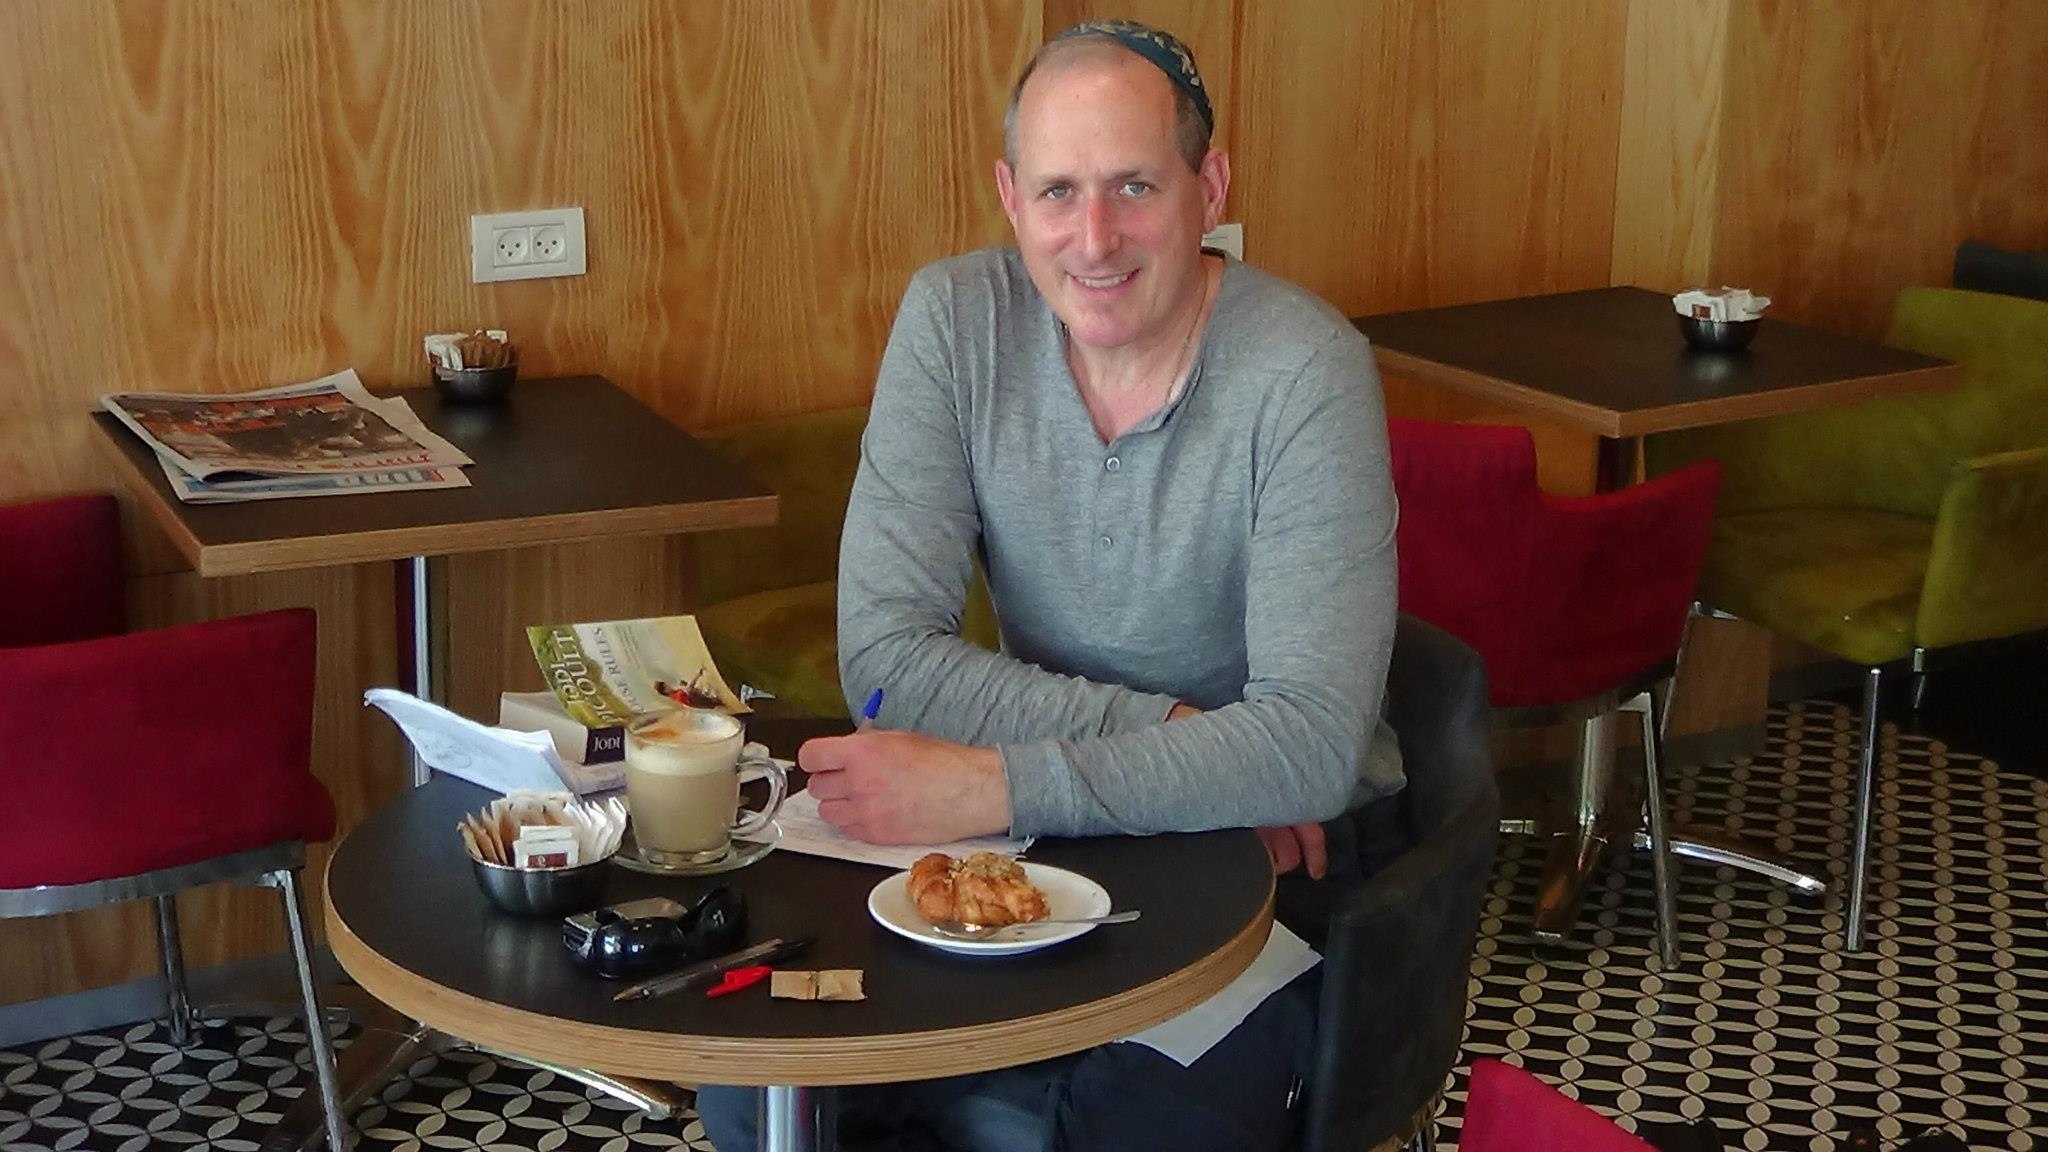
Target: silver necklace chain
(1180, 358)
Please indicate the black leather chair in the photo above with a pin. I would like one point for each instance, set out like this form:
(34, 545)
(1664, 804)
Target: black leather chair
(1397, 937)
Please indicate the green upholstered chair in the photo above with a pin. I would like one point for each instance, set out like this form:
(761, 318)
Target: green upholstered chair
(768, 602)
(1879, 532)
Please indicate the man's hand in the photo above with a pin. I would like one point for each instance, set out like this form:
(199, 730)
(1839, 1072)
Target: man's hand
(888, 787)
(1292, 845)
(1288, 845)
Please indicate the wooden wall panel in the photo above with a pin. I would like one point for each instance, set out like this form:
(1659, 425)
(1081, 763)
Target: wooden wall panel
(1406, 154)
(209, 197)
(1665, 183)
(1862, 142)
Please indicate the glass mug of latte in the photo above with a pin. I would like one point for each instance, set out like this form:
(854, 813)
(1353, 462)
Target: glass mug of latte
(683, 782)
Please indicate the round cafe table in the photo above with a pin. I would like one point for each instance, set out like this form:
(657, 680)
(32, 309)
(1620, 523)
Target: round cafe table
(408, 922)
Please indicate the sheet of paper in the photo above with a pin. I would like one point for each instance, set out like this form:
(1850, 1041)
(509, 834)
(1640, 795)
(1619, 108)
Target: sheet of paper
(803, 830)
(1184, 1038)
(495, 758)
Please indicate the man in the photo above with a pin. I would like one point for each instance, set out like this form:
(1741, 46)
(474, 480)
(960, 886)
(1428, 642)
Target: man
(1173, 469)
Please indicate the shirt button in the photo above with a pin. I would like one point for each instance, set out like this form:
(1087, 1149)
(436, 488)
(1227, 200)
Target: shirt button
(1112, 464)
(1106, 542)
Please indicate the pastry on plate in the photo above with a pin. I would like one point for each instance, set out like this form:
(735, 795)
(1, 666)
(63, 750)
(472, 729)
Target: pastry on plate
(982, 889)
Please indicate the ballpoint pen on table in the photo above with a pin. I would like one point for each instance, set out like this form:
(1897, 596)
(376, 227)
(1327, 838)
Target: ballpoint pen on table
(766, 952)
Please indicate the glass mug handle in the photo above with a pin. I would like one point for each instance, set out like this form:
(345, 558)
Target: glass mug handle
(778, 785)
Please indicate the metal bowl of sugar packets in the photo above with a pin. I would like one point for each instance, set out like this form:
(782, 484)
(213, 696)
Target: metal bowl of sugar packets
(543, 856)
(477, 368)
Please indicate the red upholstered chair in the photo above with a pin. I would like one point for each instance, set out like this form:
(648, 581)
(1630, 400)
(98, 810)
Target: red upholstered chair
(1509, 1110)
(1578, 605)
(143, 764)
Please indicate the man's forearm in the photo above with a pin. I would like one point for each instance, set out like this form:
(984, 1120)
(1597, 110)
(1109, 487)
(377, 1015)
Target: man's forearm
(944, 686)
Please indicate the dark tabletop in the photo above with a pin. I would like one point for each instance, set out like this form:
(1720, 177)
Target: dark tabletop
(1612, 361)
(402, 885)
(562, 460)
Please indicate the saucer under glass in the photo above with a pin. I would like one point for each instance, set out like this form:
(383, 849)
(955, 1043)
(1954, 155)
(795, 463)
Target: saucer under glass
(741, 854)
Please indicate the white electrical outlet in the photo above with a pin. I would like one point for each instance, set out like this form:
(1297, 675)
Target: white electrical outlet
(510, 246)
(550, 244)
(526, 245)
(1227, 238)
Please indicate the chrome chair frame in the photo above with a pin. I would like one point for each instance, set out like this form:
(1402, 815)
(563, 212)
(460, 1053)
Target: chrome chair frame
(275, 866)
(1726, 850)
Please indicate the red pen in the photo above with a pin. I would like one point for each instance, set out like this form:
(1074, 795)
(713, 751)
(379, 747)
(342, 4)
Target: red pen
(738, 978)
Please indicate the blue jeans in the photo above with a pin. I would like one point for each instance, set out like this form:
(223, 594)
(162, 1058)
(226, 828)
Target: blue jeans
(1117, 1096)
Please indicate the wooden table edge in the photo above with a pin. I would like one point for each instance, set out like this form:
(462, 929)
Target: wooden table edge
(144, 488)
(802, 1061)
(483, 536)
(1789, 401)
(1524, 400)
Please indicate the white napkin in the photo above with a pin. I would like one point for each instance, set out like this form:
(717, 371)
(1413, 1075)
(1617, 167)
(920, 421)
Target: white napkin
(803, 830)
(1187, 1036)
(496, 758)
(1725, 304)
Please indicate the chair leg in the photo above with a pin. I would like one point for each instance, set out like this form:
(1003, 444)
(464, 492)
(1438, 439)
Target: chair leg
(1865, 813)
(287, 880)
(177, 996)
(1660, 840)
(1678, 668)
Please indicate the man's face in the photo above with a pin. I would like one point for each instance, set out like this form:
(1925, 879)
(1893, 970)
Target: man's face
(1108, 216)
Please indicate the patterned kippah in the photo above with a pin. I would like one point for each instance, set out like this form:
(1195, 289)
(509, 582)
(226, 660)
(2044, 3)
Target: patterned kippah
(1161, 49)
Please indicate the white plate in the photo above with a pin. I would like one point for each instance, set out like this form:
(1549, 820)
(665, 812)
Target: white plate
(1067, 894)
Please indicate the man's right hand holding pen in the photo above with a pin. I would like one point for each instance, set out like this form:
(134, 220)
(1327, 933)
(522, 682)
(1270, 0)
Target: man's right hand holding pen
(890, 787)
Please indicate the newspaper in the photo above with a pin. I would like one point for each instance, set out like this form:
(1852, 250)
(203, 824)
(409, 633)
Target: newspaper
(609, 672)
(192, 490)
(233, 489)
(326, 427)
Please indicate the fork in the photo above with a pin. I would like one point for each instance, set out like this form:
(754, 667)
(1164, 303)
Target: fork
(964, 930)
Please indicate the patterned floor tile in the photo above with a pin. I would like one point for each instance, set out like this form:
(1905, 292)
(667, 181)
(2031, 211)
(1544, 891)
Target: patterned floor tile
(1766, 1028)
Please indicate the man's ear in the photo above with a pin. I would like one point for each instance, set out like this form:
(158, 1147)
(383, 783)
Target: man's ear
(1215, 174)
(1006, 190)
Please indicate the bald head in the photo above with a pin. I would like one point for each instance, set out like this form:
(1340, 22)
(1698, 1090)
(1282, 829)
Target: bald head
(1094, 52)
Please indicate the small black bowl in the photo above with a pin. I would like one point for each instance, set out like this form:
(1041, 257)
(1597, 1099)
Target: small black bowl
(475, 385)
(1718, 335)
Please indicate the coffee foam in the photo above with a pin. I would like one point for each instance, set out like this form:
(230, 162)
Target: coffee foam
(684, 746)
(667, 733)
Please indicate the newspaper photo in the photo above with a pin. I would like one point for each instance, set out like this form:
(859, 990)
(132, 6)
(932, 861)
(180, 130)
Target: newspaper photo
(330, 426)
(606, 673)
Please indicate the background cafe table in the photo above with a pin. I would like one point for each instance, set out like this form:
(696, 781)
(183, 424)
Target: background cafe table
(560, 461)
(406, 919)
(1612, 362)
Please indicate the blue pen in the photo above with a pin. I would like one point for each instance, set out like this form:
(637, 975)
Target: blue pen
(872, 708)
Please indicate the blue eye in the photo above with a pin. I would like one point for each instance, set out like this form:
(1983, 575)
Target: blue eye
(1057, 192)
(1135, 188)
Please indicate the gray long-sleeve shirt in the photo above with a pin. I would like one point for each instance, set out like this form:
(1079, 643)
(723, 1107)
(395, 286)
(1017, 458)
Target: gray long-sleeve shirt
(1234, 551)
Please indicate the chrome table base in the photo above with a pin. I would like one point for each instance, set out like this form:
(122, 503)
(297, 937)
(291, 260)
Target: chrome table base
(1598, 819)
(389, 1043)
